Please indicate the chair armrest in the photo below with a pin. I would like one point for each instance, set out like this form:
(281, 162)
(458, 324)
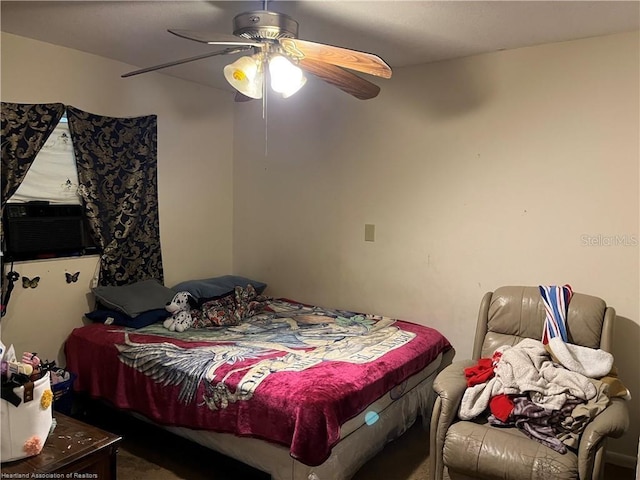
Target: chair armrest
(449, 386)
(611, 422)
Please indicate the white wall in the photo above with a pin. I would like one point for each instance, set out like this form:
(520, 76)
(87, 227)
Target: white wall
(195, 129)
(516, 167)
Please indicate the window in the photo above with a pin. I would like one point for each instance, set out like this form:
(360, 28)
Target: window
(44, 219)
(53, 177)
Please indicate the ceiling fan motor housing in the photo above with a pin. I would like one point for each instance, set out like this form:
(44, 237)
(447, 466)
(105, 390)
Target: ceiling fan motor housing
(264, 25)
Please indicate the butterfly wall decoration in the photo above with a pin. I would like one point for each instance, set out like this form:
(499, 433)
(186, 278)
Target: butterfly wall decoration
(72, 277)
(30, 282)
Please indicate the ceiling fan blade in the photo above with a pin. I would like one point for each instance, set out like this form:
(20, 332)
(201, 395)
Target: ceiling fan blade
(342, 57)
(226, 51)
(344, 80)
(213, 38)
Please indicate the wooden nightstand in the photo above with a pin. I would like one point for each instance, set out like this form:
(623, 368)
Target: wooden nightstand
(72, 448)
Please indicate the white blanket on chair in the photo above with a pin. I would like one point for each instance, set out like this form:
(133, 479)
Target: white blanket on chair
(590, 362)
(527, 368)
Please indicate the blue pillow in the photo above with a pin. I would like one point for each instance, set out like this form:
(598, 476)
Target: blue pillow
(216, 286)
(118, 318)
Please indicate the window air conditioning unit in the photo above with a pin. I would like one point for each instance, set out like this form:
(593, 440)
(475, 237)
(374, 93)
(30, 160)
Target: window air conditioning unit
(40, 230)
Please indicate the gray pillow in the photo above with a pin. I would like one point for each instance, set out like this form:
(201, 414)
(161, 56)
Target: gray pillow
(135, 298)
(216, 286)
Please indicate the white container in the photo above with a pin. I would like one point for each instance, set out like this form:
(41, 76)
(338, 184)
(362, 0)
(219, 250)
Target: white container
(28, 424)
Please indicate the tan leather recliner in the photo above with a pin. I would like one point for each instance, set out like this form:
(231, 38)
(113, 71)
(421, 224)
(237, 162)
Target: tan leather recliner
(476, 449)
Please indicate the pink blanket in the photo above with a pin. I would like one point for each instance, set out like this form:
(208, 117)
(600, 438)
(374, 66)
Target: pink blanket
(290, 375)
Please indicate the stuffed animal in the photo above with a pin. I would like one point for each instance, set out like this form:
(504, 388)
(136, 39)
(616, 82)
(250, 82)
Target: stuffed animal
(180, 308)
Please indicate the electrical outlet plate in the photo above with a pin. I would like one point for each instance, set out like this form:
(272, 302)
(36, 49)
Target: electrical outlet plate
(369, 233)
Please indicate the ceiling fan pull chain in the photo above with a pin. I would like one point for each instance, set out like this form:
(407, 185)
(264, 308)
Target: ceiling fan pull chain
(265, 92)
(266, 138)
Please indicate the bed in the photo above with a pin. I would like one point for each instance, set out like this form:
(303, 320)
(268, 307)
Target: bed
(298, 391)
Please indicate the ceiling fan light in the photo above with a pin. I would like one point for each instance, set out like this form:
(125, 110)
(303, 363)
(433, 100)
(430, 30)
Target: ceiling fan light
(244, 75)
(286, 78)
(294, 88)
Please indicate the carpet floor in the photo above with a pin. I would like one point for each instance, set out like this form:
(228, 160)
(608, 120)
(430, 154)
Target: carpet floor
(150, 453)
(180, 459)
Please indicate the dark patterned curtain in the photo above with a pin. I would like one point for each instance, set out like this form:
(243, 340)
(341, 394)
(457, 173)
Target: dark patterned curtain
(117, 172)
(25, 129)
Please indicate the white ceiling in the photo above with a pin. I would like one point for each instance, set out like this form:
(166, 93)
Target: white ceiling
(401, 32)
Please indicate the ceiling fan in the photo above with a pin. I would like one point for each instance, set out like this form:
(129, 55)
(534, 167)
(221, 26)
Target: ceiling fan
(275, 48)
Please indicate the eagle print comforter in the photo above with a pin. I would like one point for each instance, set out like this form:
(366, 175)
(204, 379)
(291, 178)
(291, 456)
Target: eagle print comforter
(292, 374)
